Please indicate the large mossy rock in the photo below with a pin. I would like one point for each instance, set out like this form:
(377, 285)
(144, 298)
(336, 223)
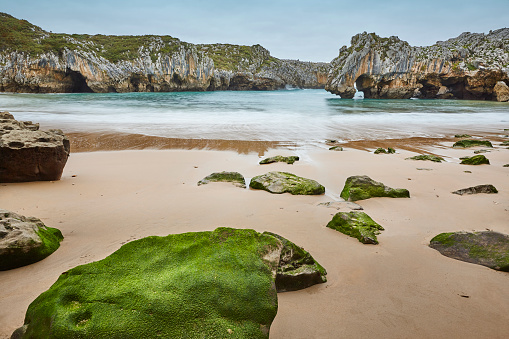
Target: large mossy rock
(27, 154)
(297, 269)
(279, 158)
(25, 240)
(486, 248)
(360, 187)
(218, 284)
(234, 177)
(471, 143)
(428, 157)
(356, 224)
(475, 160)
(283, 182)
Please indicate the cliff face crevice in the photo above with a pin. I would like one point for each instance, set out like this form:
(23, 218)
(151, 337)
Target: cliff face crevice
(33, 60)
(466, 67)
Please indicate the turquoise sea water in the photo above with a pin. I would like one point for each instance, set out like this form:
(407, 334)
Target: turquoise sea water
(301, 116)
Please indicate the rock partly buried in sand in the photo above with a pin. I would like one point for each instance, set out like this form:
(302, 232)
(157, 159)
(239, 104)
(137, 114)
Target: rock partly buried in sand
(381, 150)
(479, 151)
(25, 240)
(462, 136)
(471, 143)
(504, 143)
(428, 157)
(477, 189)
(475, 160)
(356, 224)
(283, 182)
(234, 177)
(214, 284)
(342, 205)
(297, 269)
(336, 148)
(27, 154)
(360, 187)
(279, 158)
(486, 248)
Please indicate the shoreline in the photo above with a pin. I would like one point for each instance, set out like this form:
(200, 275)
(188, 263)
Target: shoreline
(399, 288)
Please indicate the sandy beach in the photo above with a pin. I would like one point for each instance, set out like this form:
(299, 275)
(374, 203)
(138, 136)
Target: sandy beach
(400, 288)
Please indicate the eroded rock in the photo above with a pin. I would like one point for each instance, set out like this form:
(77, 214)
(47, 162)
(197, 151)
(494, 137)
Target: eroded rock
(25, 240)
(356, 224)
(477, 189)
(360, 187)
(501, 91)
(234, 177)
(283, 182)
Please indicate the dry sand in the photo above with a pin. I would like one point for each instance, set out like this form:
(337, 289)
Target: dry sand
(400, 288)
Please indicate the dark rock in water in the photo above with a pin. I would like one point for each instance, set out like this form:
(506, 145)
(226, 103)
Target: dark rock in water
(390, 150)
(462, 136)
(471, 143)
(27, 154)
(429, 157)
(25, 240)
(283, 182)
(297, 269)
(487, 248)
(234, 177)
(362, 187)
(357, 225)
(278, 158)
(475, 160)
(477, 189)
(336, 148)
(192, 285)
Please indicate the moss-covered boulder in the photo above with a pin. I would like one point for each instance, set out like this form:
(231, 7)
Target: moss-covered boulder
(297, 269)
(356, 224)
(426, 157)
(25, 240)
(471, 143)
(360, 187)
(283, 182)
(462, 136)
(486, 248)
(475, 160)
(215, 284)
(234, 177)
(381, 150)
(279, 158)
(477, 189)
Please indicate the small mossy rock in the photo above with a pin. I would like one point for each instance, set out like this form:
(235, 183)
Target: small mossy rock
(390, 150)
(25, 240)
(506, 165)
(504, 143)
(297, 269)
(475, 160)
(214, 284)
(479, 151)
(234, 177)
(279, 158)
(336, 148)
(462, 136)
(428, 157)
(283, 182)
(486, 248)
(356, 224)
(472, 143)
(477, 189)
(360, 187)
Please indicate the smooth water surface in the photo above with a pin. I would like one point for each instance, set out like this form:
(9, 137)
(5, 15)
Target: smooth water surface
(301, 116)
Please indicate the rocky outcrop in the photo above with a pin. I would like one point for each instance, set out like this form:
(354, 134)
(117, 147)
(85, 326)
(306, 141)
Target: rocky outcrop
(215, 284)
(467, 67)
(25, 240)
(477, 189)
(234, 177)
(279, 158)
(356, 224)
(33, 60)
(487, 248)
(28, 154)
(283, 182)
(360, 187)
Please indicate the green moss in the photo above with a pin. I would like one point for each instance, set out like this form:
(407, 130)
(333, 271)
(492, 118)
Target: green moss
(505, 143)
(192, 285)
(472, 143)
(462, 136)
(444, 238)
(475, 160)
(356, 224)
(471, 67)
(390, 150)
(336, 148)
(429, 157)
(233, 177)
(278, 158)
(284, 182)
(363, 187)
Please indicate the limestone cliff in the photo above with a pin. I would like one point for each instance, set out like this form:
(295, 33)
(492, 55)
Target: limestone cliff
(466, 67)
(33, 60)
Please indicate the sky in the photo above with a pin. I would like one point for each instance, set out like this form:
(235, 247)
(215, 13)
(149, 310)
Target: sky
(289, 29)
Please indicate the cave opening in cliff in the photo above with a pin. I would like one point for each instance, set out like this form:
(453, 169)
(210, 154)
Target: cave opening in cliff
(78, 82)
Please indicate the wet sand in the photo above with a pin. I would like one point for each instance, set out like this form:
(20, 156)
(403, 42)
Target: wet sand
(400, 288)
